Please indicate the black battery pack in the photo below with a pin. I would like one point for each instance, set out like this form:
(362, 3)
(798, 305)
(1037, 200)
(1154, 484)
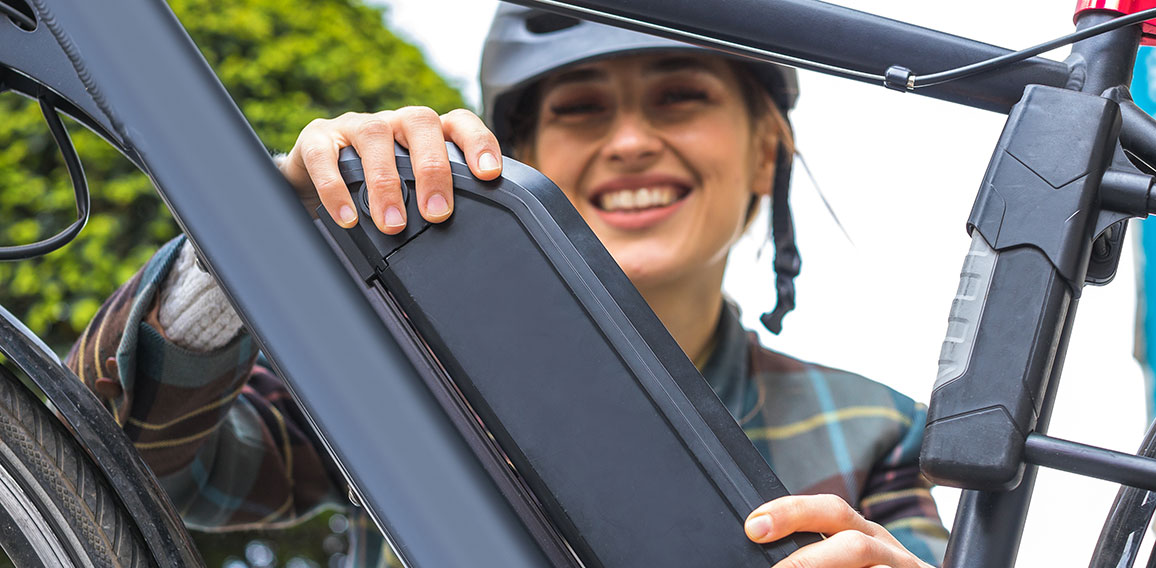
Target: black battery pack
(613, 448)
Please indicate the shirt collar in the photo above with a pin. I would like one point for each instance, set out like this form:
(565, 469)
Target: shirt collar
(728, 366)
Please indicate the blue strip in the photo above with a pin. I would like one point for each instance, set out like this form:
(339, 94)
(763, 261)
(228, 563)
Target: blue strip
(834, 432)
(1148, 322)
(1143, 95)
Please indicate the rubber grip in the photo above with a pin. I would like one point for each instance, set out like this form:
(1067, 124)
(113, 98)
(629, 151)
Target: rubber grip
(967, 307)
(995, 364)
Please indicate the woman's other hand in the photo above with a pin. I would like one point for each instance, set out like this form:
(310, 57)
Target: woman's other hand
(311, 165)
(852, 541)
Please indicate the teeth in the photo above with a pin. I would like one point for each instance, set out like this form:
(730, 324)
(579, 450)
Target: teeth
(636, 199)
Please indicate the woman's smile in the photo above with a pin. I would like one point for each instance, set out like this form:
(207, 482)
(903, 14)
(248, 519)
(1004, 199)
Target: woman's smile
(639, 202)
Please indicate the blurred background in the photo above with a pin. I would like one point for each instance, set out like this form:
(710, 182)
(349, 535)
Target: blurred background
(899, 170)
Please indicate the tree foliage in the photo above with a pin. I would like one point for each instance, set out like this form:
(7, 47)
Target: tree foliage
(284, 63)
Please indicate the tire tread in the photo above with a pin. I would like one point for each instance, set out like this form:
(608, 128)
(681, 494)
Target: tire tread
(58, 464)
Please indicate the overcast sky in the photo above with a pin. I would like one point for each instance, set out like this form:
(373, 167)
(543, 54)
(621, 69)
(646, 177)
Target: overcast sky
(901, 171)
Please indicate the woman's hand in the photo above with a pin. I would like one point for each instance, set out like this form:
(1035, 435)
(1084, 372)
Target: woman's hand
(312, 164)
(852, 541)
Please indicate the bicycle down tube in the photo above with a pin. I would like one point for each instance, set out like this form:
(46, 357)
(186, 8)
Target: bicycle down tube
(146, 89)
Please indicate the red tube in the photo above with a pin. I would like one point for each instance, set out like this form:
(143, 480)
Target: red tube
(1123, 7)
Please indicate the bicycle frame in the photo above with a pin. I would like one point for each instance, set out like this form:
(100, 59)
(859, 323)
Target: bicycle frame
(129, 72)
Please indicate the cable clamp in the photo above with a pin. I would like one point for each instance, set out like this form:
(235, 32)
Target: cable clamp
(899, 79)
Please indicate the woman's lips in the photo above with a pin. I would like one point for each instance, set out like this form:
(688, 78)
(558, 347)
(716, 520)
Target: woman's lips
(638, 202)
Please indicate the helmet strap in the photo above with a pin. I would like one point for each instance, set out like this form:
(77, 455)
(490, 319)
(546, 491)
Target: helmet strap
(787, 261)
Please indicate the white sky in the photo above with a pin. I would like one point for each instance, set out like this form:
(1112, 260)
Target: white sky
(901, 171)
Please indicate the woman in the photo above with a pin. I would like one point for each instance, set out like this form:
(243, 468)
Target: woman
(665, 150)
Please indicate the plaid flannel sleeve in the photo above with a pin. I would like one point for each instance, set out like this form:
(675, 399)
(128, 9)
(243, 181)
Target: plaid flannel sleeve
(222, 434)
(897, 496)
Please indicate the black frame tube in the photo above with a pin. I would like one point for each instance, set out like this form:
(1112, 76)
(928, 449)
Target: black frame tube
(857, 41)
(1138, 135)
(1090, 461)
(35, 65)
(988, 526)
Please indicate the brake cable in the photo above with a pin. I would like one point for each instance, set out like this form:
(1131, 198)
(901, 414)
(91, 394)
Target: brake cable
(919, 81)
(79, 186)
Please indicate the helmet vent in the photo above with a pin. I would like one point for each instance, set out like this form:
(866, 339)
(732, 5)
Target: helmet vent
(549, 22)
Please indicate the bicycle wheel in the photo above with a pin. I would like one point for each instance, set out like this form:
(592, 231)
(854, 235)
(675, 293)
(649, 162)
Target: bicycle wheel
(56, 508)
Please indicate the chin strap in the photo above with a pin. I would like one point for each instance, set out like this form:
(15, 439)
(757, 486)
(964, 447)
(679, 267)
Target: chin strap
(787, 261)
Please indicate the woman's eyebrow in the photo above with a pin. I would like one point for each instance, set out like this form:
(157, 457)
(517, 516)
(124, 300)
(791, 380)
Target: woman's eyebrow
(675, 64)
(577, 76)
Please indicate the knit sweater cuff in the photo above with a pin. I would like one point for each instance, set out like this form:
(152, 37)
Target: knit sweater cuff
(194, 311)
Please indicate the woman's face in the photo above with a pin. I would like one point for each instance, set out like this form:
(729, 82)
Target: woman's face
(659, 154)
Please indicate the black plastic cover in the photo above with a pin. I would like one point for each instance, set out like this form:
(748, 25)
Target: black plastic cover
(633, 458)
(1032, 228)
(1042, 184)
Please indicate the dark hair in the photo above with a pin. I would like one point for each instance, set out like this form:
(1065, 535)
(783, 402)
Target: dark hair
(523, 120)
(755, 96)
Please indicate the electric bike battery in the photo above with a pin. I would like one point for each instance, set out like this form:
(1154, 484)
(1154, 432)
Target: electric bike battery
(586, 411)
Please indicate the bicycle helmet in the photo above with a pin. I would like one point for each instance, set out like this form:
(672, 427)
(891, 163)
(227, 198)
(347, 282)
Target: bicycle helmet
(526, 44)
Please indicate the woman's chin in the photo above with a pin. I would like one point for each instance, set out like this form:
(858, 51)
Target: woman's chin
(658, 260)
(645, 271)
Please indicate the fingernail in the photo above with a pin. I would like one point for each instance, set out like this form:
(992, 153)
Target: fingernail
(437, 205)
(347, 214)
(487, 162)
(393, 217)
(759, 527)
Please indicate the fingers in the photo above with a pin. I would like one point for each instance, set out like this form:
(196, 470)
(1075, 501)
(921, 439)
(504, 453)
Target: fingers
(312, 164)
(826, 514)
(424, 133)
(855, 542)
(850, 549)
(372, 136)
(316, 150)
(479, 145)
(420, 130)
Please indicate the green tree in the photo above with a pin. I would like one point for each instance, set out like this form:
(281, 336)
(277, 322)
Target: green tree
(285, 63)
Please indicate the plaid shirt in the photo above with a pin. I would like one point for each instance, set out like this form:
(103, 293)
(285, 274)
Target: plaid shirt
(234, 450)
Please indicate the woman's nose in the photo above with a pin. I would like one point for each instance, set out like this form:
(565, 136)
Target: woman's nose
(632, 141)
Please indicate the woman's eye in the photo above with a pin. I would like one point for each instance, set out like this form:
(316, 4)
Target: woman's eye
(676, 96)
(577, 108)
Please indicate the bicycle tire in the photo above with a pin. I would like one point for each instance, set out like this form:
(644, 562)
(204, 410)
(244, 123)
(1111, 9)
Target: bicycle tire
(56, 508)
